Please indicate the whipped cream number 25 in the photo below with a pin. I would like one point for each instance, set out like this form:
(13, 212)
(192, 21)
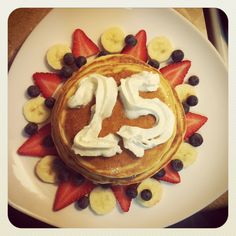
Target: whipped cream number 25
(136, 139)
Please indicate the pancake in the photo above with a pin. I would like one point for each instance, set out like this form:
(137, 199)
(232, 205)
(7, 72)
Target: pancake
(123, 168)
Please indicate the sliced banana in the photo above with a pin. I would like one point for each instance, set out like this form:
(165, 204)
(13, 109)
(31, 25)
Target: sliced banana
(186, 153)
(113, 40)
(55, 55)
(35, 111)
(184, 91)
(45, 171)
(155, 187)
(160, 48)
(102, 200)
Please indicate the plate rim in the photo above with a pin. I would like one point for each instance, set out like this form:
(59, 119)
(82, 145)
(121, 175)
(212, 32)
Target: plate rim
(46, 220)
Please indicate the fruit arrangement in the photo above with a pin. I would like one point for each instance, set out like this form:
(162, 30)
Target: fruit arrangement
(64, 61)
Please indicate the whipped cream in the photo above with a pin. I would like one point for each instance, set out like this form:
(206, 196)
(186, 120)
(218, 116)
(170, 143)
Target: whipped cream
(86, 142)
(137, 139)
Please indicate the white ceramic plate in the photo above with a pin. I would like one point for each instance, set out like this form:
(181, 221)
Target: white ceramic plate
(201, 183)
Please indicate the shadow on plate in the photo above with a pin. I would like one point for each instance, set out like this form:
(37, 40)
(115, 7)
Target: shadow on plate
(202, 219)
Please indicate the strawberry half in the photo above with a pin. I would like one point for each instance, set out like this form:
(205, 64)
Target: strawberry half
(33, 146)
(83, 45)
(68, 192)
(140, 49)
(47, 82)
(122, 198)
(171, 175)
(194, 122)
(176, 72)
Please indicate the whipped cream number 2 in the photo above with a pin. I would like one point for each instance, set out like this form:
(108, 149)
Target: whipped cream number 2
(136, 139)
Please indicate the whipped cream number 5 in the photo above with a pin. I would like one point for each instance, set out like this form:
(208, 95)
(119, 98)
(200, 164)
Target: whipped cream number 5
(136, 139)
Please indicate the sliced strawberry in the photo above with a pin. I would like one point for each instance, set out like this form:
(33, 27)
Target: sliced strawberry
(176, 72)
(83, 45)
(171, 175)
(140, 49)
(33, 146)
(122, 198)
(47, 82)
(68, 192)
(194, 122)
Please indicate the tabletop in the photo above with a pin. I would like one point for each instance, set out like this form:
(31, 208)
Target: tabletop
(22, 21)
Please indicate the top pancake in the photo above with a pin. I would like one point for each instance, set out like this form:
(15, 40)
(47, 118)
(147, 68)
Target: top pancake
(67, 122)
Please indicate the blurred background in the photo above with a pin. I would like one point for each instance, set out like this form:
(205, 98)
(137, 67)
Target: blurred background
(211, 22)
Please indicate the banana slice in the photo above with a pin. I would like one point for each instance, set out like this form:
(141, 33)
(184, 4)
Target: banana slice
(55, 55)
(186, 153)
(184, 91)
(102, 200)
(155, 187)
(35, 111)
(45, 171)
(160, 48)
(113, 40)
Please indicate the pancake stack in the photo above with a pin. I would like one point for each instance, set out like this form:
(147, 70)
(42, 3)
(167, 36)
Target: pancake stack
(124, 168)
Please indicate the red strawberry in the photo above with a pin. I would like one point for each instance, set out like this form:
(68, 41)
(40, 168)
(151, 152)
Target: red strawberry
(171, 175)
(140, 49)
(176, 72)
(47, 82)
(194, 123)
(33, 146)
(83, 45)
(68, 192)
(121, 197)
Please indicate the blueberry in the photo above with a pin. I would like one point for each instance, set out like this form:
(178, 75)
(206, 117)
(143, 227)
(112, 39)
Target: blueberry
(177, 55)
(74, 67)
(48, 141)
(106, 185)
(83, 202)
(66, 71)
(196, 140)
(68, 59)
(146, 194)
(31, 128)
(186, 107)
(177, 165)
(80, 61)
(49, 102)
(79, 179)
(63, 175)
(131, 192)
(58, 165)
(103, 53)
(193, 80)
(161, 173)
(154, 63)
(130, 40)
(192, 100)
(33, 91)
